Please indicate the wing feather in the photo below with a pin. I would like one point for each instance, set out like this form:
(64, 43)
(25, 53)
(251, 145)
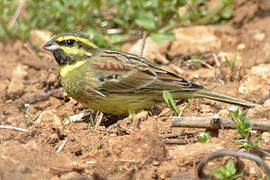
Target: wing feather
(123, 72)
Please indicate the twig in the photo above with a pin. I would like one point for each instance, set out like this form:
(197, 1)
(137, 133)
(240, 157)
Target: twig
(187, 57)
(176, 141)
(216, 59)
(144, 35)
(175, 135)
(32, 98)
(17, 13)
(200, 61)
(99, 117)
(128, 131)
(238, 154)
(13, 128)
(218, 64)
(77, 117)
(127, 161)
(212, 122)
(62, 145)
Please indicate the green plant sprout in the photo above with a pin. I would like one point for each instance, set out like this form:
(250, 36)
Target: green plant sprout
(170, 102)
(231, 64)
(203, 137)
(92, 120)
(26, 115)
(241, 122)
(227, 172)
(247, 144)
(244, 127)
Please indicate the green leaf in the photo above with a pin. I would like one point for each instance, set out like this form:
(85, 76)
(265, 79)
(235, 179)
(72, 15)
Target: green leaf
(182, 2)
(169, 100)
(119, 21)
(167, 96)
(116, 39)
(203, 137)
(227, 172)
(97, 37)
(227, 13)
(160, 37)
(145, 19)
(230, 167)
(146, 23)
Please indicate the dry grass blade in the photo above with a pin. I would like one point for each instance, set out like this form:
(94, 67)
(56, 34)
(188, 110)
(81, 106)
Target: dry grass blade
(13, 128)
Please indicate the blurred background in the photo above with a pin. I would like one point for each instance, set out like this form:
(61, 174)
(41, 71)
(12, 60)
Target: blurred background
(109, 22)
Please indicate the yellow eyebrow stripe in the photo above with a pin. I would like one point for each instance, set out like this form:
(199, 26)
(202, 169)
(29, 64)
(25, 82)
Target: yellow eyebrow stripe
(86, 41)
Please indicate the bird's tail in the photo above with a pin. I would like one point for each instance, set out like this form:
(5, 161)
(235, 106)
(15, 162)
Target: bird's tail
(206, 93)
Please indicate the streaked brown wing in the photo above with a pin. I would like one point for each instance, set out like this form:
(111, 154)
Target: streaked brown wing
(123, 72)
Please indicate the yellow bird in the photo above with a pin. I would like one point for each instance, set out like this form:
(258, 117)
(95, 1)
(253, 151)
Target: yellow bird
(117, 82)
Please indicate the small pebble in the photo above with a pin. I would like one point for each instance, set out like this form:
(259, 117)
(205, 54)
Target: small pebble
(259, 36)
(241, 47)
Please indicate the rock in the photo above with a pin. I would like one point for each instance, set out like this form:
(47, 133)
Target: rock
(224, 113)
(190, 152)
(182, 175)
(258, 79)
(259, 36)
(266, 137)
(152, 50)
(241, 46)
(52, 78)
(194, 39)
(260, 112)
(264, 5)
(16, 86)
(48, 119)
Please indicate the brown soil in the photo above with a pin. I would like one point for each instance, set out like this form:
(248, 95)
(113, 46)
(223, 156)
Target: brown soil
(120, 151)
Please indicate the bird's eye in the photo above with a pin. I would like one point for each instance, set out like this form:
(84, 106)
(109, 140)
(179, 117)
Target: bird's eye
(70, 42)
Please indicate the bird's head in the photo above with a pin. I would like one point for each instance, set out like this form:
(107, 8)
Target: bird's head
(68, 48)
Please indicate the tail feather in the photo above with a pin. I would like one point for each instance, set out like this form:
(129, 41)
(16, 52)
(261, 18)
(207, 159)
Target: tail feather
(206, 93)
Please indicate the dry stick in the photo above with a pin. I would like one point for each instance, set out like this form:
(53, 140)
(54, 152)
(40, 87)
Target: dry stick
(13, 128)
(32, 98)
(237, 154)
(17, 13)
(215, 122)
(62, 145)
(175, 135)
(200, 61)
(219, 67)
(144, 35)
(99, 117)
(176, 141)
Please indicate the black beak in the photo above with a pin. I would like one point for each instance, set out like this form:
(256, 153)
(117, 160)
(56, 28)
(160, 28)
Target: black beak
(51, 46)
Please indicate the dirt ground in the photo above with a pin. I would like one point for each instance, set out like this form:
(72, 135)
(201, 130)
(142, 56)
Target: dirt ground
(152, 149)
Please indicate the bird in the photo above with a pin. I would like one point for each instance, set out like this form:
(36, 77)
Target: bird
(117, 82)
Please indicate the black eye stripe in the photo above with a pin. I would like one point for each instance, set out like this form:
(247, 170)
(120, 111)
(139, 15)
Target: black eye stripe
(70, 42)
